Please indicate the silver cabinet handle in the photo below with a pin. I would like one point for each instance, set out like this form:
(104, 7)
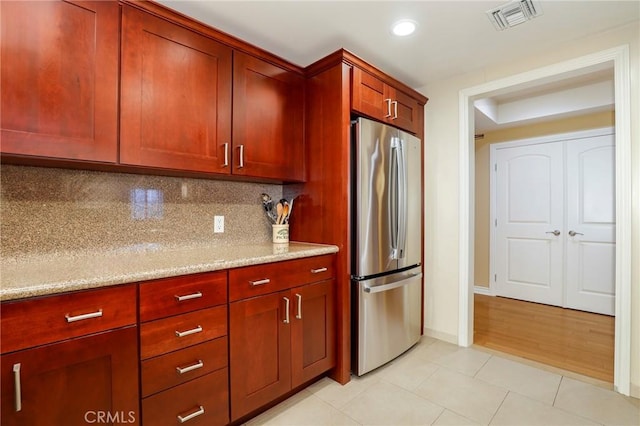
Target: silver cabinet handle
(319, 270)
(388, 101)
(299, 313)
(241, 160)
(556, 232)
(226, 155)
(197, 413)
(286, 310)
(574, 233)
(90, 315)
(195, 295)
(260, 282)
(198, 329)
(17, 387)
(395, 110)
(182, 370)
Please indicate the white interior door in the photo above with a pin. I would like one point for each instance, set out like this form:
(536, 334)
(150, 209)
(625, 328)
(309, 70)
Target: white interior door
(529, 223)
(591, 227)
(554, 222)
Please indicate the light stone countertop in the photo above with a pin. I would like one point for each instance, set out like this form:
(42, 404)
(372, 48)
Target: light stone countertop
(51, 274)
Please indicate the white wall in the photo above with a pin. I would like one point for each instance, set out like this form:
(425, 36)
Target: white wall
(442, 183)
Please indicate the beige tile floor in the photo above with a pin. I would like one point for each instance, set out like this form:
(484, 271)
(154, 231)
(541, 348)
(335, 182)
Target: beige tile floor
(437, 383)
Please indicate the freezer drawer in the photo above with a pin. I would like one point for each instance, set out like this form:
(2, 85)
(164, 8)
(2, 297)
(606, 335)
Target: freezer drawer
(388, 318)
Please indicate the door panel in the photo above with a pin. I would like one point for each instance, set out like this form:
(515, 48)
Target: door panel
(529, 207)
(373, 208)
(259, 345)
(412, 254)
(175, 96)
(59, 79)
(591, 214)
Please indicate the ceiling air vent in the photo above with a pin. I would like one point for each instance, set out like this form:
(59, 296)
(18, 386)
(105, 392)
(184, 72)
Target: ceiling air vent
(514, 13)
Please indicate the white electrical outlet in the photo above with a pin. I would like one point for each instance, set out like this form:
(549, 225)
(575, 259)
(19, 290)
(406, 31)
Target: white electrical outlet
(218, 224)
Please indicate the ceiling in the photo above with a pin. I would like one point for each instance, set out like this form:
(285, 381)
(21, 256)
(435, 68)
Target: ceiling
(453, 37)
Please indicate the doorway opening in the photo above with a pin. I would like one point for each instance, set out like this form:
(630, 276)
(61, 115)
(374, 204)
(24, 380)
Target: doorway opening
(619, 58)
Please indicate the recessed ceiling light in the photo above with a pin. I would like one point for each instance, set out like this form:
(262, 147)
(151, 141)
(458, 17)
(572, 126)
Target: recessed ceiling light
(404, 27)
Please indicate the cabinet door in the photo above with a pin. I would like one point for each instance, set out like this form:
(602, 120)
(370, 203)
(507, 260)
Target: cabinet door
(259, 341)
(73, 382)
(268, 104)
(175, 96)
(312, 332)
(59, 79)
(404, 111)
(369, 94)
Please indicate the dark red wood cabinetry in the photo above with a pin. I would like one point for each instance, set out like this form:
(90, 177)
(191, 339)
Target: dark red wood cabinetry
(268, 105)
(175, 96)
(279, 339)
(59, 79)
(71, 381)
(183, 350)
(377, 99)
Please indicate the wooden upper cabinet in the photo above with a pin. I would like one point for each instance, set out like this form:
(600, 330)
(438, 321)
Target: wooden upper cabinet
(268, 102)
(376, 99)
(175, 96)
(59, 79)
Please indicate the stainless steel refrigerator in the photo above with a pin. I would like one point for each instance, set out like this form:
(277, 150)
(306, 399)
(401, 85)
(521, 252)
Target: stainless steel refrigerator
(386, 243)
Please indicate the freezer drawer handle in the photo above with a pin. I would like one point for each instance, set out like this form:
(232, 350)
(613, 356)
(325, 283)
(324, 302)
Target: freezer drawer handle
(198, 329)
(260, 282)
(18, 389)
(197, 413)
(319, 270)
(96, 314)
(387, 287)
(195, 295)
(182, 370)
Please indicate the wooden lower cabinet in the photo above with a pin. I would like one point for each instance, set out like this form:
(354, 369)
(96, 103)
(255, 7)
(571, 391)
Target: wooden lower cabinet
(277, 342)
(73, 382)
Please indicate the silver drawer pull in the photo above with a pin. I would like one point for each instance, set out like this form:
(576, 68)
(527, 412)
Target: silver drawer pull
(182, 370)
(198, 329)
(226, 155)
(260, 282)
(195, 295)
(319, 270)
(192, 415)
(17, 387)
(286, 310)
(96, 314)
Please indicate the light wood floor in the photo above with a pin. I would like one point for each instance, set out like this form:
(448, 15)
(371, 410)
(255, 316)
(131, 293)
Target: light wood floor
(577, 341)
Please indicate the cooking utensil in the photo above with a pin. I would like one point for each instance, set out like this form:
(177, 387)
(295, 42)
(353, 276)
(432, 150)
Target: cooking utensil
(279, 209)
(285, 213)
(267, 203)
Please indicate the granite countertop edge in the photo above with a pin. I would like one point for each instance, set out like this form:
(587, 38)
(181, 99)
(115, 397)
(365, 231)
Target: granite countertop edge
(55, 274)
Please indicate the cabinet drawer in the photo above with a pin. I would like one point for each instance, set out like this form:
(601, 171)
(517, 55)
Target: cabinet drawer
(173, 333)
(172, 369)
(263, 279)
(39, 321)
(206, 399)
(172, 296)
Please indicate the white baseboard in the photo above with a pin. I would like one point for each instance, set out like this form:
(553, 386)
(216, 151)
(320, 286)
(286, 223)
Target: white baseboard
(478, 289)
(449, 338)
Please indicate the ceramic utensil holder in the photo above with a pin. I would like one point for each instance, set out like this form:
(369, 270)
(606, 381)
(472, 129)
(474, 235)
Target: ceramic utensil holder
(280, 234)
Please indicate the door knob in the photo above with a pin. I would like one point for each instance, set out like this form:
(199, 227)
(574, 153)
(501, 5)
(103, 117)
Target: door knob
(573, 233)
(556, 232)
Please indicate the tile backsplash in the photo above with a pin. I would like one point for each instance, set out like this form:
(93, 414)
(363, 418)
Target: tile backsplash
(46, 211)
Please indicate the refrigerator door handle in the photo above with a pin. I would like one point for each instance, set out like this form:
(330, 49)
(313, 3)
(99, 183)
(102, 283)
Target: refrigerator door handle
(394, 196)
(387, 287)
(402, 200)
